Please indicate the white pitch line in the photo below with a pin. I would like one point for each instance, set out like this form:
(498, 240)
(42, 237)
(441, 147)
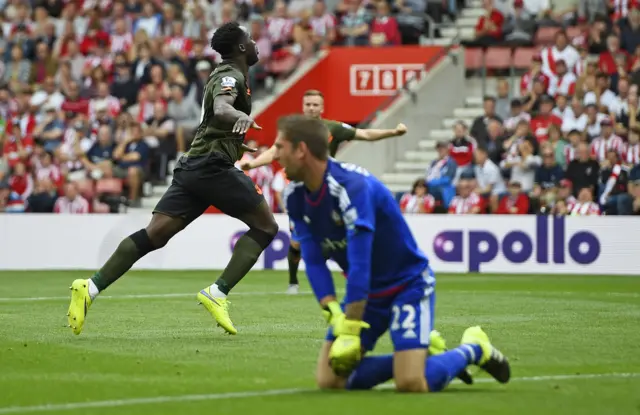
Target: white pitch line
(141, 296)
(255, 394)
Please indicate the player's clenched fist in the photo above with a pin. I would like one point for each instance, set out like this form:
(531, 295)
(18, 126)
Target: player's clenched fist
(345, 352)
(401, 129)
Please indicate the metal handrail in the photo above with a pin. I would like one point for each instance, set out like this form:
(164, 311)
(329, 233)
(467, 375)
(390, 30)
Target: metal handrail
(405, 86)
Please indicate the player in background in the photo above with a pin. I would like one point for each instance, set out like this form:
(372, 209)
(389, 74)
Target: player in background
(313, 106)
(204, 176)
(339, 211)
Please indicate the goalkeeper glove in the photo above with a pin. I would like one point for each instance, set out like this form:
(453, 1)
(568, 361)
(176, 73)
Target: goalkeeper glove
(345, 352)
(332, 311)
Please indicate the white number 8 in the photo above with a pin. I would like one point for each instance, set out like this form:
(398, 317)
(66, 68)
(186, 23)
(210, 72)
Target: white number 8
(409, 322)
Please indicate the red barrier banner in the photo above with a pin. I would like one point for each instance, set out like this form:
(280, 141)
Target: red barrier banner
(354, 81)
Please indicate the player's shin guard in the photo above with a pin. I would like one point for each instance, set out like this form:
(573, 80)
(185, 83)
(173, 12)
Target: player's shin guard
(130, 250)
(372, 371)
(441, 369)
(293, 258)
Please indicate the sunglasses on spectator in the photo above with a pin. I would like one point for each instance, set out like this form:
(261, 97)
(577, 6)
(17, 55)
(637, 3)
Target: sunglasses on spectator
(547, 155)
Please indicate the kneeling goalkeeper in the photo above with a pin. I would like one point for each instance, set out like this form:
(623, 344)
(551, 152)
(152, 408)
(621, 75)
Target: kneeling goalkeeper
(340, 211)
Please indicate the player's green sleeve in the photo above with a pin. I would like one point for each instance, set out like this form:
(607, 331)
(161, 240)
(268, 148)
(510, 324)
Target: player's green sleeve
(225, 84)
(342, 132)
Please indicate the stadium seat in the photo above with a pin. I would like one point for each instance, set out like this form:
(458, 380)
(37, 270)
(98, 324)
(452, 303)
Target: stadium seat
(109, 186)
(573, 32)
(522, 57)
(473, 58)
(498, 58)
(546, 35)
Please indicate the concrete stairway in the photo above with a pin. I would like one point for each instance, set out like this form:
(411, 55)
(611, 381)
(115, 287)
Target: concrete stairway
(414, 163)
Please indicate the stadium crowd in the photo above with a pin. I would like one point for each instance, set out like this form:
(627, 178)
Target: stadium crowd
(98, 96)
(568, 143)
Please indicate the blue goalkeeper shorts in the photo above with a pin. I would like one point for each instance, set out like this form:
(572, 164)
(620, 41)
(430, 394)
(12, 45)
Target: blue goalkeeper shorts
(408, 314)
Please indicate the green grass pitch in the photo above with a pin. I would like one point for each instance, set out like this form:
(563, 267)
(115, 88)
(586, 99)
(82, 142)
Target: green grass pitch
(573, 342)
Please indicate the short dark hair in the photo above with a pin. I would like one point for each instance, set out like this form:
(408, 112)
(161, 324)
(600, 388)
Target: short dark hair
(313, 93)
(418, 182)
(313, 132)
(489, 98)
(225, 39)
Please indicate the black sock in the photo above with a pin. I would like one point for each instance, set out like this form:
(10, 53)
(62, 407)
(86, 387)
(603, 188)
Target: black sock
(120, 262)
(293, 257)
(245, 254)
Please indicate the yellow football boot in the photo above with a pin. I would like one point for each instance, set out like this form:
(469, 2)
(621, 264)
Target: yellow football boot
(492, 361)
(219, 309)
(80, 303)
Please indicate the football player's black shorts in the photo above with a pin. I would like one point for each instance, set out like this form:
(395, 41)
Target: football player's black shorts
(208, 180)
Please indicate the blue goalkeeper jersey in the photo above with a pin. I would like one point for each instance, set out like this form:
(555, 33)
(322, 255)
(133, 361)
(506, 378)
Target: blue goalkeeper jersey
(354, 220)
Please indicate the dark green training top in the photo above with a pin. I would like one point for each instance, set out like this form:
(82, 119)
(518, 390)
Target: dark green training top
(339, 132)
(212, 134)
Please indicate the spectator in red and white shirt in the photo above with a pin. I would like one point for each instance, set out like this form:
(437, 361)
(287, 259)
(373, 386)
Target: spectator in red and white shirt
(384, 27)
(280, 26)
(621, 8)
(21, 187)
(489, 26)
(72, 202)
(584, 206)
(16, 148)
(94, 35)
(418, 200)
(262, 177)
(99, 57)
(561, 50)
(467, 201)
(104, 98)
(515, 203)
(610, 61)
(631, 153)
(46, 169)
(562, 82)
(121, 39)
(323, 25)
(462, 146)
(606, 141)
(279, 183)
(74, 102)
(178, 42)
(541, 122)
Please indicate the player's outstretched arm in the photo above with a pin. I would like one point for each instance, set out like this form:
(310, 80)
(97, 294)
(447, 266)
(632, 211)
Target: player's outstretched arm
(223, 110)
(263, 159)
(374, 134)
(318, 273)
